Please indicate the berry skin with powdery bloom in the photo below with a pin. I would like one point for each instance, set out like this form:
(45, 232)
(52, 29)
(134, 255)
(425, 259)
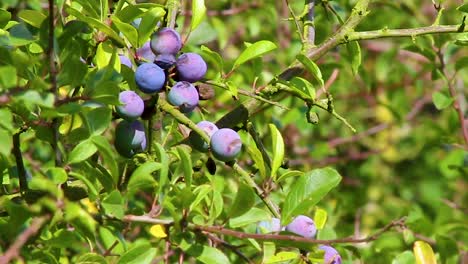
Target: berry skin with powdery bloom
(225, 144)
(269, 226)
(183, 95)
(166, 41)
(124, 60)
(132, 105)
(191, 67)
(197, 141)
(331, 256)
(146, 53)
(150, 78)
(303, 226)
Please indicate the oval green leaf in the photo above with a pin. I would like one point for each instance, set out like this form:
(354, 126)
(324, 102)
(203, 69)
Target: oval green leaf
(255, 50)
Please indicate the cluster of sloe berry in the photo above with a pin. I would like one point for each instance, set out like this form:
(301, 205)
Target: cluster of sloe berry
(303, 226)
(152, 77)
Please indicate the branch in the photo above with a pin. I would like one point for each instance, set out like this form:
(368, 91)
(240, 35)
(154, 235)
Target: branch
(14, 250)
(273, 237)
(406, 32)
(309, 24)
(23, 182)
(269, 237)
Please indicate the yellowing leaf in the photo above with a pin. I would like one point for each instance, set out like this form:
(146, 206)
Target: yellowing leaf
(158, 231)
(90, 206)
(423, 253)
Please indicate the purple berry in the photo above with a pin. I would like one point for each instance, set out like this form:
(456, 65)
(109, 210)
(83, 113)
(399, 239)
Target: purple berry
(145, 52)
(132, 105)
(125, 61)
(197, 141)
(303, 226)
(166, 41)
(331, 255)
(191, 67)
(184, 95)
(149, 77)
(129, 137)
(165, 61)
(225, 144)
(271, 226)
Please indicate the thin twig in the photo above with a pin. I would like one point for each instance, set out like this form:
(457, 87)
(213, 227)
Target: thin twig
(309, 25)
(274, 237)
(14, 250)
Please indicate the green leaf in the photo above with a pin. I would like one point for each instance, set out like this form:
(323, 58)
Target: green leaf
(257, 158)
(307, 191)
(186, 164)
(164, 170)
(405, 257)
(142, 176)
(57, 175)
(277, 151)
(245, 199)
(98, 120)
(354, 51)
(463, 8)
(128, 30)
(423, 253)
(92, 191)
(214, 57)
(141, 254)
(90, 258)
(148, 22)
(94, 23)
(5, 16)
(113, 204)
(9, 77)
(441, 101)
(32, 17)
(205, 254)
(282, 257)
(6, 142)
(108, 155)
(311, 67)
(82, 151)
(201, 192)
(7, 119)
(288, 174)
(80, 219)
(198, 13)
(104, 53)
(461, 63)
(303, 86)
(252, 216)
(104, 9)
(253, 51)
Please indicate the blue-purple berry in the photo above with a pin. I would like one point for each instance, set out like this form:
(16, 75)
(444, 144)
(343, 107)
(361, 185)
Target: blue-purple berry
(150, 78)
(165, 61)
(302, 226)
(124, 60)
(166, 41)
(191, 67)
(129, 137)
(183, 95)
(225, 144)
(197, 141)
(132, 105)
(269, 226)
(331, 256)
(146, 53)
